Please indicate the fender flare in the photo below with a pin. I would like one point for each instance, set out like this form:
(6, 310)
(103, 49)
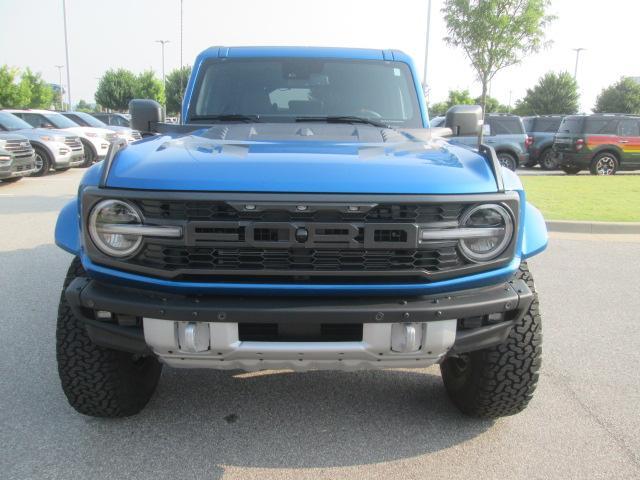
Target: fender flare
(534, 232)
(67, 233)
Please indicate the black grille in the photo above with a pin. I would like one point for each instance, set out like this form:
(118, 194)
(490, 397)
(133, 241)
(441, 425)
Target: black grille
(220, 211)
(212, 260)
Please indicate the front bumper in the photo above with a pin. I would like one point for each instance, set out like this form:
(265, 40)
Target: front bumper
(143, 321)
(18, 167)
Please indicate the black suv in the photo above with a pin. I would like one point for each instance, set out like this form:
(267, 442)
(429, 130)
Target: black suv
(542, 131)
(603, 143)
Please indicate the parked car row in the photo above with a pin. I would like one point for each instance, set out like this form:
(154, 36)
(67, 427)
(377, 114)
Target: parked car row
(34, 142)
(600, 143)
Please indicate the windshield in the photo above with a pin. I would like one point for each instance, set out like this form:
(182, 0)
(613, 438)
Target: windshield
(9, 121)
(90, 120)
(60, 121)
(286, 89)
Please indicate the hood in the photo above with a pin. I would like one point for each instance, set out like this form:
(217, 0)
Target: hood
(301, 158)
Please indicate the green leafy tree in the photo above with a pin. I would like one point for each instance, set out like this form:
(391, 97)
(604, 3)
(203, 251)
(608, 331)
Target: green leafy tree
(13, 94)
(621, 97)
(495, 34)
(176, 85)
(83, 106)
(492, 105)
(456, 97)
(40, 92)
(148, 86)
(116, 89)
(554, 93)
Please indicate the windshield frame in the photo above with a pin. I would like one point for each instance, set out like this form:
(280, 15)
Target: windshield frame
(53, 117)
(89, 119)
(415, 99)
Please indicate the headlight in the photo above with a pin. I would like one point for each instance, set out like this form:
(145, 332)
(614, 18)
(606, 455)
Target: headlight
(49, 138)
(93, 134)
(489, 229)
(107, 219)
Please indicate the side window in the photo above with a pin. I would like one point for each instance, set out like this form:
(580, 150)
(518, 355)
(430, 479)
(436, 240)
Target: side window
(602, 126)
(505, 126)
(34, 119)
(629, 128)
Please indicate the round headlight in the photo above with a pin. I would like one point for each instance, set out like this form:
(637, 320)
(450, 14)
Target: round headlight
(494, 232)
(103, 222)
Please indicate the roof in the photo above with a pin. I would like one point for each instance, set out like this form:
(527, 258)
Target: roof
(310, 52)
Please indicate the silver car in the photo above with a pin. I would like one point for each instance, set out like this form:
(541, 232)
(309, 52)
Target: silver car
(17, 158)
(55, 149)
(86, 120)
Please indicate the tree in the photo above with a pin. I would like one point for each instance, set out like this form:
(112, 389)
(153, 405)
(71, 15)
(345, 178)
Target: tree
(12, 94)
(456, 97)
(116, 89)
(83, 106)
(495, 34)
(148, 86)
(176, 85)
(554, 93)
(621, 97)
(40, 93)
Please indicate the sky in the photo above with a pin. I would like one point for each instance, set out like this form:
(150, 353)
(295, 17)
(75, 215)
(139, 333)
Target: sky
(122, 33)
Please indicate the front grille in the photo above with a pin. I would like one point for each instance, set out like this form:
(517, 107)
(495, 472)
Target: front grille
(19, 148)
(136, 134)
(221, 211)
(210, 259)
(321, 239)
(74, 143)
(111, 137)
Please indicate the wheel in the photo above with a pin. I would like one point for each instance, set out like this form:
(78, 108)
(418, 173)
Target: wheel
(604, 164)
(508, 160)
(11, 180)
(499, 381)
(548, 160)
(98, 381)
(571, 170)
(89, 154)
(43, 162)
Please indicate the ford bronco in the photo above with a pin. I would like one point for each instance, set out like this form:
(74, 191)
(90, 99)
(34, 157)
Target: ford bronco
(302, 216)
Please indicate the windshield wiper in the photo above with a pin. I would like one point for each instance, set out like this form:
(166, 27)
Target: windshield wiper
(343, 119)
(228, 117)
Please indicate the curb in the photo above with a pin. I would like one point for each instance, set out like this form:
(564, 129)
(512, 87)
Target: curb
(619, 228)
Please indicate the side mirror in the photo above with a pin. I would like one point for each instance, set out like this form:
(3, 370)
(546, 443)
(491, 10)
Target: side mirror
(145, 114)
(464, 120)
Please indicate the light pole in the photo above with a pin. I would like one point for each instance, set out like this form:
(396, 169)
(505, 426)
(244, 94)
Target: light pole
(181, 50)
(60, 67)
(575, 71)
(426, 48)
(66, 51)
(163, 42)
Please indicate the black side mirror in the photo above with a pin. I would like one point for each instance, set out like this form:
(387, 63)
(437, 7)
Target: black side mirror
(145, 115)
(464, 120)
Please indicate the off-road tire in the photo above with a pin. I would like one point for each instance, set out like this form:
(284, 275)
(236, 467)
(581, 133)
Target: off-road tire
(571, 170)
(46, 162)
(98, 381)
(499, 381)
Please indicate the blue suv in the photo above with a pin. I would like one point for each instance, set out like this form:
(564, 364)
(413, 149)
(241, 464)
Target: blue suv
(303, 216)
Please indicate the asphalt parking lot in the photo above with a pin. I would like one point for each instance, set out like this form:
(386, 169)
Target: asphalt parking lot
(583, 422)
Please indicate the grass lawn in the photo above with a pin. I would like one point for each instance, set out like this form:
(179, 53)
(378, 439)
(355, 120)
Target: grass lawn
(586, 198)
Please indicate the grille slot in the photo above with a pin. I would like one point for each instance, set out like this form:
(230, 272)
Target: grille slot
(19, 148)
(73, 143)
